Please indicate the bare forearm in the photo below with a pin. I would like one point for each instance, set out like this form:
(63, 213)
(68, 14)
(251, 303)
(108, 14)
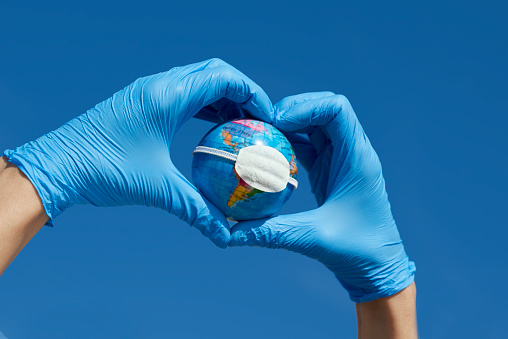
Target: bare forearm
(21, 212)
(391, 317)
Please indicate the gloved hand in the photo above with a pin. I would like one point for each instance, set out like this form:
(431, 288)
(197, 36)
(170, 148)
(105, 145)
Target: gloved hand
(352, 232)
(118, 153)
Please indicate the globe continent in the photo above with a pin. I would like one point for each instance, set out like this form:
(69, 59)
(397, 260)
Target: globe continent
(217, 180)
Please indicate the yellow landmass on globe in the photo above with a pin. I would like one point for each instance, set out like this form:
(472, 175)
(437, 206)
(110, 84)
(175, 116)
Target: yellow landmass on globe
(241, 192)
(227, 137)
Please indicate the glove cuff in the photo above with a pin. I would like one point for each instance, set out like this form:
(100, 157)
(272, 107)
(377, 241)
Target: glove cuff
(54, 198)
(391, 285)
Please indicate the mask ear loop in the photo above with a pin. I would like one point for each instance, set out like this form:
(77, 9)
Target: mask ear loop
(217, 152)
(293, 182)
(233, 157)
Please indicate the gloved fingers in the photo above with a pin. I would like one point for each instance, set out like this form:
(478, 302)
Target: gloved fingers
(160, 82)
(318, 112)
(184, 201)
(212, 84)
(339, 125)
(293, 232)
(197, 66)
(183, 92)
(292, 100)
(220, 111)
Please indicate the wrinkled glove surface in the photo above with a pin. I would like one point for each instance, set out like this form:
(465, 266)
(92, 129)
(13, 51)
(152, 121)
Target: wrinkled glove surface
(118, 153)
(352, 232)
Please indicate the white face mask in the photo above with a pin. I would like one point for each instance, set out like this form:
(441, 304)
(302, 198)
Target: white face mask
(260, 166)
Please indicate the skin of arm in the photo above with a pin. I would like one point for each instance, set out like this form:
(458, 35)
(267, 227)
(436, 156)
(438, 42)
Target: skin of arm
(21, 212)
(392, 317)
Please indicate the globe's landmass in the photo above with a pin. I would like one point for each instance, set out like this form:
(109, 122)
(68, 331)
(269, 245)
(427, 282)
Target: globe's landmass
(218, 181)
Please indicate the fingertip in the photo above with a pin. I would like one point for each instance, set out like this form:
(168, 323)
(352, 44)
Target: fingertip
(251, 233)
(221, 237)
(214, 225)
(239, 234)
(200, 213)
(238, 238)
(259, 104)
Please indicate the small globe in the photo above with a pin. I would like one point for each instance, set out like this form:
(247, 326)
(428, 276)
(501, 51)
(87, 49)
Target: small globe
(217, 180)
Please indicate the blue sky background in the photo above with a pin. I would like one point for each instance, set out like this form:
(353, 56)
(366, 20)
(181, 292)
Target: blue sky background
(428, 80)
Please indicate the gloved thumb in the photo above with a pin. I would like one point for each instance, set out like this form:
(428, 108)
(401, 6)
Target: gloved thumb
(190, 206)
(290, 232)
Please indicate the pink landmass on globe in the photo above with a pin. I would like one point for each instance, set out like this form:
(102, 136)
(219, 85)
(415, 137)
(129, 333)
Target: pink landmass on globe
(255, 125)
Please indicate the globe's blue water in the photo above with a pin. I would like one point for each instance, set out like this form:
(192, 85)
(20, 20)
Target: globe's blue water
(216, 179)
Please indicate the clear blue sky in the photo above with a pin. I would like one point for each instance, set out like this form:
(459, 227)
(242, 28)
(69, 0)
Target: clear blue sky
(428, 81)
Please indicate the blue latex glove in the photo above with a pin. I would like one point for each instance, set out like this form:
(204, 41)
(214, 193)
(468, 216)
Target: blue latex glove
(118, 153)
(352, 232)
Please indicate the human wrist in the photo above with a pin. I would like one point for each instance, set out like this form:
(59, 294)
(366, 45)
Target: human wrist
(21, 212)
(384, 281)
(39, 163)
(391, 317)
